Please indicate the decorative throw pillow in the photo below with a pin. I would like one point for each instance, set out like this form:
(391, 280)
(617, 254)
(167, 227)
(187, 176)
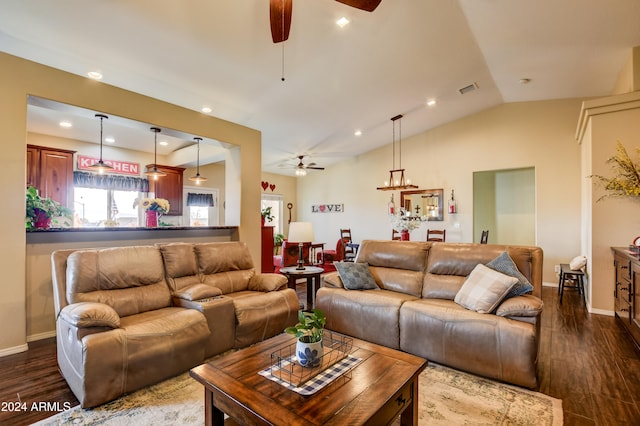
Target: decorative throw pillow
(484, 289)
(506, 265)
(578, 262)
(356, 276)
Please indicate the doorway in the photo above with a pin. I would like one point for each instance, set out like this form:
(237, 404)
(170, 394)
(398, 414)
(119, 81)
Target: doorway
(504, 204)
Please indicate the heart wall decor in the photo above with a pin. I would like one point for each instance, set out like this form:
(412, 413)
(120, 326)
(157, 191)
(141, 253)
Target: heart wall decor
(265, 184)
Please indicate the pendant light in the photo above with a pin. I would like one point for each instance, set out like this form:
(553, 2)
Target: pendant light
(100, 166)
(154, 172)
(396, 176)
(197, 178)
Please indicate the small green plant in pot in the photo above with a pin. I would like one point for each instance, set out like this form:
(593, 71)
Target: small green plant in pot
(309, 330)
(266, 215)
(41, 210)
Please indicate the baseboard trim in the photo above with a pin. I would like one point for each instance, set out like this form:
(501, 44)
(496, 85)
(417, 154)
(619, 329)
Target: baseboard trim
(547, 284)
(601, 312)
(14, 350)
(41, 336)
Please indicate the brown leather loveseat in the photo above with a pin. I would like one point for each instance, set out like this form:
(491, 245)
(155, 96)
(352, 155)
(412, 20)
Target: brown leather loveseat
(414, 310)
(128, 317)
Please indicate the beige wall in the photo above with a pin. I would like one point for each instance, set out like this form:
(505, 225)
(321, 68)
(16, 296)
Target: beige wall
(611, 222)
(532, 134)
(19, 79)
(287, 187)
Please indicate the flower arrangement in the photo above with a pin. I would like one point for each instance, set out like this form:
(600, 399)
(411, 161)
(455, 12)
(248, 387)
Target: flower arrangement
(626, 182)
(157, 204)
(401, 221)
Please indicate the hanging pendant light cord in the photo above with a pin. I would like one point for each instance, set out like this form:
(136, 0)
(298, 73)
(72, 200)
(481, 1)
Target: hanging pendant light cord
(282, 76)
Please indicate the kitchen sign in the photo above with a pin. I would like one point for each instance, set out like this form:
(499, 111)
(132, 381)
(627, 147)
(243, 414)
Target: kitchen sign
(119, 167)
(327, 208)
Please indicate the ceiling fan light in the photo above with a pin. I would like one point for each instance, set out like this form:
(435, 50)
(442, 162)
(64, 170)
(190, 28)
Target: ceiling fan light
(301, 172)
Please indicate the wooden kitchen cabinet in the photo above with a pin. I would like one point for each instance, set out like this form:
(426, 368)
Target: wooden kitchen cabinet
(169, 187)
(50, 170)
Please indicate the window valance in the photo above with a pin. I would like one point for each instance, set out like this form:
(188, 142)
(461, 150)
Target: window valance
(114, 182)
(199, 200)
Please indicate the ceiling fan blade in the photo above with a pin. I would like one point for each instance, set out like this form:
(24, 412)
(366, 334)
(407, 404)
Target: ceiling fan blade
(314, 168)
(280, 16)
(368, 5)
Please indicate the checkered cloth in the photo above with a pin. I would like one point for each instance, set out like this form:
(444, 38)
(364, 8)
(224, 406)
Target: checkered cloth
(317, 382)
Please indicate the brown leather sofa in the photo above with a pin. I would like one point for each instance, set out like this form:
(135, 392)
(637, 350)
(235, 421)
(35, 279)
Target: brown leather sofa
(128, 317)
(414, 308)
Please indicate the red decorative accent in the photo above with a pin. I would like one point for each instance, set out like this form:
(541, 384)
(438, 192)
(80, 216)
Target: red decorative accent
(404, 235)
(272, 187)
(265, 185)
(152, 218)
(42, 220)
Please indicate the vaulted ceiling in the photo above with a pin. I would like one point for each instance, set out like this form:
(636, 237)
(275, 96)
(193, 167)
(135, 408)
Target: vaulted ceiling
(336, 80)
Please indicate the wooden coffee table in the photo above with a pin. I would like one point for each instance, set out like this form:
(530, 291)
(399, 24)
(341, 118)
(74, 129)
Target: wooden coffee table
(381, 387)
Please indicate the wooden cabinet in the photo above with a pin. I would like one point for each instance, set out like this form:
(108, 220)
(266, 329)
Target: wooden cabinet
(50, 170)
(626, 293)
(267, 249)
(169, 187)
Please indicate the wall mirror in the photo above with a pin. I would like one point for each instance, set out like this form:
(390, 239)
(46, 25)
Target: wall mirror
(425, 203)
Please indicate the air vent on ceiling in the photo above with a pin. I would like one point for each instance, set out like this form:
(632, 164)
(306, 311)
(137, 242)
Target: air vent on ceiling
(470, 88)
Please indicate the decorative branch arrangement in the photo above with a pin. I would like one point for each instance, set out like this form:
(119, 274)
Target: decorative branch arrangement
(626, 182)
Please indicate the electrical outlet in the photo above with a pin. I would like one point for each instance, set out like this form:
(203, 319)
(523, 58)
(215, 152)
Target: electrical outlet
(557, 269)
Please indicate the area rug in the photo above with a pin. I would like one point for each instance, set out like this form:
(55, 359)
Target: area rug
(447, 397)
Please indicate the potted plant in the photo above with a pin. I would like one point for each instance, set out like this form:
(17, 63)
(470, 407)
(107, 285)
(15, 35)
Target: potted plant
(266, 215)
(309, 330)
(277, 242)
(41, 210)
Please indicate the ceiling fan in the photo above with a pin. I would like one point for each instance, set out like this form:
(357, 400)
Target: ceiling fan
(301, 168)
(280, 15)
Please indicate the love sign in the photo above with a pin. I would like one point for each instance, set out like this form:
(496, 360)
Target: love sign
(327, 208)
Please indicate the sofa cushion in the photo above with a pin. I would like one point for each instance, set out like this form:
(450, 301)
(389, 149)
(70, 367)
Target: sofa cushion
(505, 264)
(197, 292)
(356, 276)
(129, 279)
(484, 289)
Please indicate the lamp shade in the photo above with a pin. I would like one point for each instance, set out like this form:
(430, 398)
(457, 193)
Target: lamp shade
(300, 232)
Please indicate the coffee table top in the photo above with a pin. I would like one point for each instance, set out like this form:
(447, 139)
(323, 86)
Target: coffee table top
(307, 270)
(353, 398)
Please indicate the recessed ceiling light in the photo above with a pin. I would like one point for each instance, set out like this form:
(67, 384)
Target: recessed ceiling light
(109, 139)
(431, 102)
(206, 109)
(95, 75)
(342, 22)
(66, 124)
(358, 133)
(163, 143)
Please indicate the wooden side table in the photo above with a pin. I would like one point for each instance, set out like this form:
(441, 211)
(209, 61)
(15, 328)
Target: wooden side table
(312, 274)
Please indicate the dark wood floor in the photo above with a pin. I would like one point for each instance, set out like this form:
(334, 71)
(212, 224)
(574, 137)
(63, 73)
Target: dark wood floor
(586, 360)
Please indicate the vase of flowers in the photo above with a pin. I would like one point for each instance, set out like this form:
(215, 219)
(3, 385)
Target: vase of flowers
(153, 208)
(626, 179)
(403, 223)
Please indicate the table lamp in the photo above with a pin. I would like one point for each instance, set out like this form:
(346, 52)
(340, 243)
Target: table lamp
(300, 232)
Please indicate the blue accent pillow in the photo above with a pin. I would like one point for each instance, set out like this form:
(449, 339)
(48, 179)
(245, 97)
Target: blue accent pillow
(356, 276)
(506, 265)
